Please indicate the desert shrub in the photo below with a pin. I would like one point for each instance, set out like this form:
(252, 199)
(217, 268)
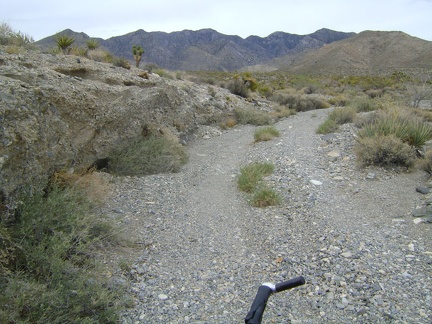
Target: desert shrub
(78, 51)
(238, 87)
(418, 92)
(8, 36)
(328, 126)
(253, 117)
(342, 115)
(300, 103)
(425, 163)
(121, 62)
(363, 104)
(264, 197)
(265, 133)
(400, 123)
(252, 174)
(99, 55)
(52, 242)
(338, 100)
(250, 82)
(374, 93)
(282, 111)
(149, 155)
(384, 150)
(265, 91)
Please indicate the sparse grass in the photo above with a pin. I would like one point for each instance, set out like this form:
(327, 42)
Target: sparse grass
(251, 175)
(338, 116)
(328, 126)
(265, 133)
(264, 197)
(253, 117)
(250, 181)
(48, 268)
(150, 155)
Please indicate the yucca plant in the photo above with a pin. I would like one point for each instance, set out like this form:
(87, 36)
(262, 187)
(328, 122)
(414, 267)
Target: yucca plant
(64, 42)
(92, 44)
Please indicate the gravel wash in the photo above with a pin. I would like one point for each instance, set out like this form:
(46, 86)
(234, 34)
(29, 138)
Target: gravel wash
(348, 230)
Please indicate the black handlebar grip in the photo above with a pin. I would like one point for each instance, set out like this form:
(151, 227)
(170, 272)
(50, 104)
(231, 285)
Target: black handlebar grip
(258, 306)
(298, 281)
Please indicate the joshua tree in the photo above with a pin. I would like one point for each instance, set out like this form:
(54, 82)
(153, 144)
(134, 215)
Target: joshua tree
(137, 52)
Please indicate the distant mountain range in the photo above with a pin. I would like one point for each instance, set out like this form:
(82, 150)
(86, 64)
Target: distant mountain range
(322, 50)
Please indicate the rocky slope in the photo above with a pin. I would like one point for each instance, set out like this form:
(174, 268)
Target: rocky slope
(61, 112)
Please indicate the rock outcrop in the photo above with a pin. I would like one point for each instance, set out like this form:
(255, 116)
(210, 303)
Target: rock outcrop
(64, 112)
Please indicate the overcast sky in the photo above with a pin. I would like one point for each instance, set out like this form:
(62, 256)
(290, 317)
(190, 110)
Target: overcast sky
(109, 18)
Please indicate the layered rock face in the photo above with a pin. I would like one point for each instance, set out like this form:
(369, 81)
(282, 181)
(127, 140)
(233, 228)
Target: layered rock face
(64, 112)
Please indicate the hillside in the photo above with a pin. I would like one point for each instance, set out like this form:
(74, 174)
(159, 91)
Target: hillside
(207, 49)
(370, 51)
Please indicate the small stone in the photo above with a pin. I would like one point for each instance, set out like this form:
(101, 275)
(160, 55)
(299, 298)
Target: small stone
(423, 190)
(371, 176)
(316, 182)
(162, 297)
(419, 211)
(347, 254)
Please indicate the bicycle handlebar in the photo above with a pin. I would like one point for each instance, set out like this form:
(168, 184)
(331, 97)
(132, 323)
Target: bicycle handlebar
(264, 291)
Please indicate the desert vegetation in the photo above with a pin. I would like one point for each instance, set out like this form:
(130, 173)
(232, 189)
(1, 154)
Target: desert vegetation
(48, 265)
(49, 245)
(251, 181)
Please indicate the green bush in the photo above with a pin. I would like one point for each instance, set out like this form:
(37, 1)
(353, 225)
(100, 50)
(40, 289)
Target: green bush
(265, 133)
(150, 155)
(52, 244)
(253, 117)
(251, 175)
(384, 150)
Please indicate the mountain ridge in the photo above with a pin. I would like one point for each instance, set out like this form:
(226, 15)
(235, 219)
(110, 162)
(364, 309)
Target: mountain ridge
(319, 52)
(210, 49)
